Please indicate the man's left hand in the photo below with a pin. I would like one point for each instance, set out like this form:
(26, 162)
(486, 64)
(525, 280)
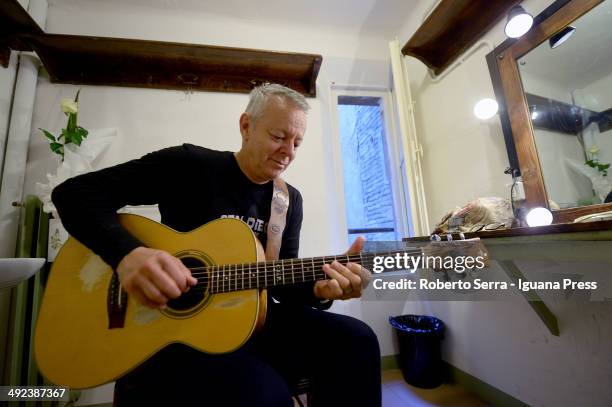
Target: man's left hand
(345, 281)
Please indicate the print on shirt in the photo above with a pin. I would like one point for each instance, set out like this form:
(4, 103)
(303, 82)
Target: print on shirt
(258, 226)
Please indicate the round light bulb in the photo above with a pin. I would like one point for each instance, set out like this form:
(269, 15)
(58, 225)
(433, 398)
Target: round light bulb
(539, 217)
(486, 108)
(518, 25)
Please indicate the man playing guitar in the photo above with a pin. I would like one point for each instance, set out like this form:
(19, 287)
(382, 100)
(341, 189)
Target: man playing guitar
(193, 185)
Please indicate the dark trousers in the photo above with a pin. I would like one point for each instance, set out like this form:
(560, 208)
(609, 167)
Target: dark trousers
(340, 354)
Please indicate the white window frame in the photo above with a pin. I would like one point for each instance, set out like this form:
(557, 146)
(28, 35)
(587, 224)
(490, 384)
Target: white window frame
(394, 152)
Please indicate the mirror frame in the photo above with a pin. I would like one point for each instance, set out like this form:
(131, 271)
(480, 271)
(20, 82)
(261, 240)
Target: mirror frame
(514, 109)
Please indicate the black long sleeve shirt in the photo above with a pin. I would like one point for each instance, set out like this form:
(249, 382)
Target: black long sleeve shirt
(192, 185)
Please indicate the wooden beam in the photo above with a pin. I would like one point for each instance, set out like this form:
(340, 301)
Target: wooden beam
(5, 54)
(154, 64)
(522, 131)
(87, 60)
(15, 22)
(559, 116)
(452, 28)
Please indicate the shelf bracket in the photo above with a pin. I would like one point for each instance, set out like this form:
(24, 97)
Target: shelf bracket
(541, 309)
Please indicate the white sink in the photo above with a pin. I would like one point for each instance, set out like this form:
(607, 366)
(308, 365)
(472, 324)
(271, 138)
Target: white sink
(14, 271)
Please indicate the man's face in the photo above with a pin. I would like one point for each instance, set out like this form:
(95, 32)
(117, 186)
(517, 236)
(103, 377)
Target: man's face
(270, 143)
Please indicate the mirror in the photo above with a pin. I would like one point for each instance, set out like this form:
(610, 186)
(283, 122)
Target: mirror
(556, 107)
(567, 82)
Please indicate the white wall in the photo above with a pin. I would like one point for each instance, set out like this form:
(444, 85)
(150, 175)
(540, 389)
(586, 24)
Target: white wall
(503, 344)
(7, 82)
(132, 21)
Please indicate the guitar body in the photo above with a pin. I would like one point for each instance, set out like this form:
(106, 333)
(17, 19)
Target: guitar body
(88, 334)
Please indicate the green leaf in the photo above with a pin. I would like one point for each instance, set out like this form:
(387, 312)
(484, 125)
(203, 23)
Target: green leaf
(76, 136)
(57, 148)
(79, 135)
(48, 134)
(82, 131)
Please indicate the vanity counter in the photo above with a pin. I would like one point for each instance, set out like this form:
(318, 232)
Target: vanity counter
(576, 242)
(601, 230)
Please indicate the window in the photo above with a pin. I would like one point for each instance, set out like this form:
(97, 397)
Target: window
(371, 180)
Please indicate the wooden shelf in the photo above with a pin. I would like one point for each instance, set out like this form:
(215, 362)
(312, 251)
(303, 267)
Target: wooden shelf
(153, 64)
(90, 60)
(452, 28)
(564, 117)
(14, 22)
(554, 229)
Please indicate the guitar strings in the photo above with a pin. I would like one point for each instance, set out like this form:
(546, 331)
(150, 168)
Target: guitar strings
(263, 267)
(213, 277)
(300, 262)
(236, 276)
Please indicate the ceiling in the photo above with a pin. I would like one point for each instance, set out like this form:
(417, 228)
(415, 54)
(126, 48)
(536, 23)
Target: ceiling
(372, 17)
(583, 59)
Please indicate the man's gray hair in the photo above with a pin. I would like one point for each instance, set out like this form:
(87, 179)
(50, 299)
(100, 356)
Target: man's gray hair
(260, 95)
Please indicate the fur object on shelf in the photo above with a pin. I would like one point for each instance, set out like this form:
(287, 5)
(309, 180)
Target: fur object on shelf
(478, 213)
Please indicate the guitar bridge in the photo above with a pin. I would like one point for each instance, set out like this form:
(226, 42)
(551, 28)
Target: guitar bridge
(116, 303)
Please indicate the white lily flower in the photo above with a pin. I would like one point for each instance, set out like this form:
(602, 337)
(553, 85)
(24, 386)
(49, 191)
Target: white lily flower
(594, 149)
(69, 106)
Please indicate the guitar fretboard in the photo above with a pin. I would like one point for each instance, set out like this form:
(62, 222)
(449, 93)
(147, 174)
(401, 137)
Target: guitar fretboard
(245, 276)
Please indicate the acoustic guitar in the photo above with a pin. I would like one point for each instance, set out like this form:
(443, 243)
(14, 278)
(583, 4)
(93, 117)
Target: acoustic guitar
(90, 332)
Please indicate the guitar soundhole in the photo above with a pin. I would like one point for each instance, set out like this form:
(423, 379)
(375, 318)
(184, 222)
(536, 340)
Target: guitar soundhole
(195, 298)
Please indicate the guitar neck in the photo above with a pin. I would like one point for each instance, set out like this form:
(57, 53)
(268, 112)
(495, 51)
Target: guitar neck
(245, 276)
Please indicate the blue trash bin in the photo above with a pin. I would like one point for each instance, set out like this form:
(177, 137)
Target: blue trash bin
(420, 341)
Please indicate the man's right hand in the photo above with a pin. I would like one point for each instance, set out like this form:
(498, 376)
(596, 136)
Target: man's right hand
(154, 276)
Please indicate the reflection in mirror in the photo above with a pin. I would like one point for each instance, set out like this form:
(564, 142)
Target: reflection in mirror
(569, 93)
